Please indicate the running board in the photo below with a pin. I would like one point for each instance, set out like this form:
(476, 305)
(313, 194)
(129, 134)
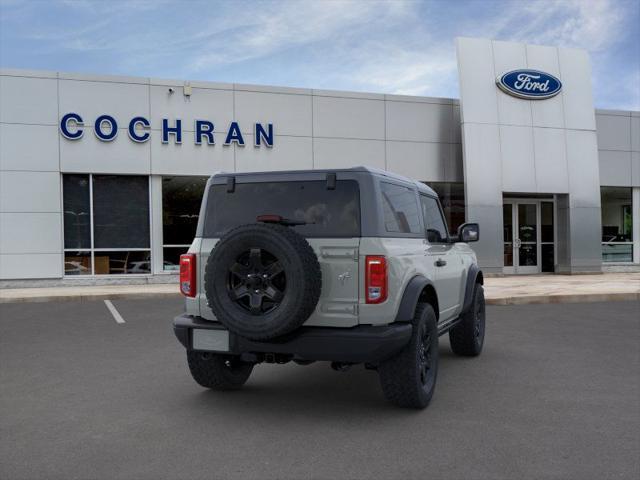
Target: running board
(445, 327)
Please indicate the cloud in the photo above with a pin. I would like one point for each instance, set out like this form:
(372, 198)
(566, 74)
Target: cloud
(397, 70)
(291, 25)
(590, 24)
(399, 46)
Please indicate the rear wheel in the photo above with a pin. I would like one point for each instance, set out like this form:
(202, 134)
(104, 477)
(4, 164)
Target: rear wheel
(218, 372)
(467, 338)
(409, 378)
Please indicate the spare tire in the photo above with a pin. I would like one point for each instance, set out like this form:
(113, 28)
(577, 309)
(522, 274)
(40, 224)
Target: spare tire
(262, 280)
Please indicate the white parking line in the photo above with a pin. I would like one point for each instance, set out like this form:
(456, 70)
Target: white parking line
(116, 315)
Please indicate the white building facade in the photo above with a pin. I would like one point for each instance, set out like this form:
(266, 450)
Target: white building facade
(101, 176)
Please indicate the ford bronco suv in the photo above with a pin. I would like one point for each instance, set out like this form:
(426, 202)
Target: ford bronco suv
(347, 266)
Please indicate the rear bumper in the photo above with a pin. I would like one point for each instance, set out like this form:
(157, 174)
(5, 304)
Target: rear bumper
(363, 343)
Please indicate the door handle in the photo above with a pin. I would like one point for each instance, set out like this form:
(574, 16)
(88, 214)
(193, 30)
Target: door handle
(440, 263)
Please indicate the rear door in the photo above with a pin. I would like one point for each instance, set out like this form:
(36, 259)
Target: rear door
(338, 304)
(329, 218)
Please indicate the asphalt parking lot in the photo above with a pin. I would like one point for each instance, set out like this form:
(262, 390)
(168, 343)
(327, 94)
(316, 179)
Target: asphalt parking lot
(555, 394)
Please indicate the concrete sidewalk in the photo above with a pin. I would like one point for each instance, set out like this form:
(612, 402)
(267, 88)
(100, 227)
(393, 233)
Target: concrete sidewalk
(526, 289)
(511, 290)
(88, 293)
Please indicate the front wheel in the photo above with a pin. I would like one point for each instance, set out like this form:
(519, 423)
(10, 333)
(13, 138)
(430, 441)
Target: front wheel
(218, 372)
(467, 337)
(409, 378)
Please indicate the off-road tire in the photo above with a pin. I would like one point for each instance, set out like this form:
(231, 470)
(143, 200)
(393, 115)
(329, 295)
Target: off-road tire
(301, 269)
(218, 372)
(401, 378)
(467, 337)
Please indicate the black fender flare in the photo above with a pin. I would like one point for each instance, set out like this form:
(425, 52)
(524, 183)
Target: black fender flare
(474, 275)
(410, 298)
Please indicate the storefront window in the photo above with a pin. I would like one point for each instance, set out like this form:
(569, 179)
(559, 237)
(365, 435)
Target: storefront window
(106, 224)
(77, 262)
(77, 224)
(77, 215)
(181, 198)
(547, 235)
(452, 199)
(617, 224)
(120, 212)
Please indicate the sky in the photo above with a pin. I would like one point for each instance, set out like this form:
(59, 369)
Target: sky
(403, 47)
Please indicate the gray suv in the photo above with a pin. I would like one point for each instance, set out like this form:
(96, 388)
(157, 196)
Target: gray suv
(347, 266)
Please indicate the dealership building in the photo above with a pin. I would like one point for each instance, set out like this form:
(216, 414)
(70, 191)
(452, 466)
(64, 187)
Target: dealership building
(101, 176)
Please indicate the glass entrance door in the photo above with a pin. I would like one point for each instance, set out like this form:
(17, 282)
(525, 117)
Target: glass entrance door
(526, 240)
(528, 236)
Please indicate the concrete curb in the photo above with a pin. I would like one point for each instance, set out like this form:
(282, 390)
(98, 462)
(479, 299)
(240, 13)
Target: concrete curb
(565, 298)
(91, 297)
(499, 301)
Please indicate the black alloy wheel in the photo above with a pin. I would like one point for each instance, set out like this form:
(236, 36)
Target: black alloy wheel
(262, 281)
(424, 358)
(478, 322)
(218, 372)
(257, 281)
(408, 379)
(467, 337)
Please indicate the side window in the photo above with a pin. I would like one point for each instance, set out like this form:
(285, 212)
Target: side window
(401, 213)
(434, 223)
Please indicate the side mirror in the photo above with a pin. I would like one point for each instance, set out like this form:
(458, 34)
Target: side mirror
(469, 232)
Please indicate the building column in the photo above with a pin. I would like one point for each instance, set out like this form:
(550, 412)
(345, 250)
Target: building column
(579, 238)
(156, 224)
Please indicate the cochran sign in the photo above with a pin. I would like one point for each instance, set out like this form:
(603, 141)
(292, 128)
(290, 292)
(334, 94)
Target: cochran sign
(529, 84)
(105, 128)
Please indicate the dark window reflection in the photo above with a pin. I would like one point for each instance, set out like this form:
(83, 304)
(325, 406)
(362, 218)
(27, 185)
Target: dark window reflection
(181, 199)
(547, 260)
(508, 255)
(77, 215)
(400, 209)
(171, 257)
(326, 213)
(528, 255)
(527, 222)
(436, 229)
(617, 224)
(119, 263)
(546, 229)
(77, 263)
(451, 197)
(507, 217)
(121, 211)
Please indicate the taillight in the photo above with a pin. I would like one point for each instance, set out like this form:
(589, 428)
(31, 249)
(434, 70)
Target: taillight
(376, 279)
(188, 285)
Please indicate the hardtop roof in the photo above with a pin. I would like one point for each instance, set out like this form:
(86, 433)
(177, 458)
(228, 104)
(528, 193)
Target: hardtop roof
(361, 168)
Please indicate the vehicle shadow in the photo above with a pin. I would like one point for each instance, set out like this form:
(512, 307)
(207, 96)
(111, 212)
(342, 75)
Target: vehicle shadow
(277, 392)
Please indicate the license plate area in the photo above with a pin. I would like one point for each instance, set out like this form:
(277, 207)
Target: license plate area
(210, 340)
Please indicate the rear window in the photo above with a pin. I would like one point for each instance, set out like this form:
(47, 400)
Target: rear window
(401, 214)
(328, 213)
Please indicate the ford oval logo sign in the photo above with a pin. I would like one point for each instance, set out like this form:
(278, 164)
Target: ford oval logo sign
(529, 84)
